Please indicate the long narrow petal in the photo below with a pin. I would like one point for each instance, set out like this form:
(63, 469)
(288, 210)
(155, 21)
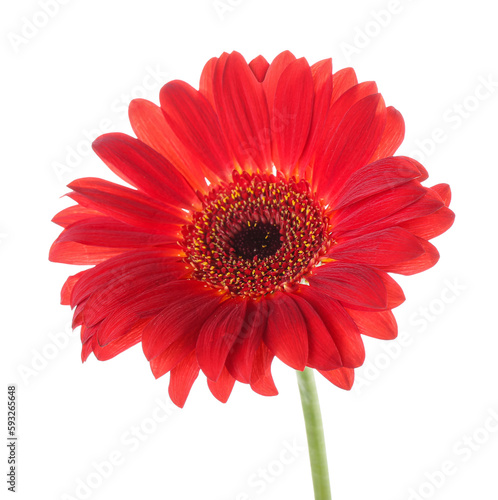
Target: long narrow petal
(70, 252)
(125, 204)
(218, 335)
(393, 135)
(108, 302)
(142, 306)
(377, 207)
(444, 191)
(259, 66)
(352, 145)
(432, 225)
(241, 106)
(73, 214)
(68, 287)
(341, 377)
(176, 352)
(323, 353)
(273, 74)
(144, 168)
(340, 108)
(118, 267)
(222, 388)
(322, 85)
(374, 178)
(379, 324)
(206, 80)
(261, 377)
(421, 263)
(353, 284)
(104, 353)
(286, 335)
(392, 210)
(150, 126)
(108, 232)
(193, 120)
(240, 360)
(182, 378)
(395, 295)
(341, 327)
(343, 80)
(187, 305)
(380, 249)
(291, 117)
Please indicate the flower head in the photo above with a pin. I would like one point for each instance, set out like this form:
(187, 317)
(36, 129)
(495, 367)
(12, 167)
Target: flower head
(265, 212)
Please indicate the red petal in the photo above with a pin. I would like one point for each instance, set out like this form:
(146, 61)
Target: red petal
(341, 377)
(122, 297)
(117, 268)
(444, 191)
(69, 252)
(222, 388)
(193, 120)
(431, 225)
(352, 284)
(352, 145)
(376, 208)
(144, 168)
(273, 75)
(335, 115)
(126, 311)
(68, 287)
(218, 335)
(425, 261)
(340, 108)
(108, 232)
(212, 80)
(375, 178)
(182, 378)
(126, 205)
(291, 116)
(259, 66)
(429, 203)
(73, 214)
(286, 335)
(393, 135)
(150, 126)
(187, 305)
(241, 357)
(323, 353)
(131, 313)
(104, 353)
(322, 82)
(173, 355)
(379, 324)
(395, 295)
(340, 326)
(86, 349)
(381, 249)
(207, 79)
(261, 378)
(243, 113)
(343, 80)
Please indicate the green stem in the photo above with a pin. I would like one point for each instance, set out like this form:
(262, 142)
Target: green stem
(314, 433)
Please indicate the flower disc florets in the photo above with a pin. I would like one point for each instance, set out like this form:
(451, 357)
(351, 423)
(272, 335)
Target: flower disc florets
(256, 235)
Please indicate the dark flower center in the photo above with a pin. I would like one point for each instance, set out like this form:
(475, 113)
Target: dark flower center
(256, 235)
(257, 239)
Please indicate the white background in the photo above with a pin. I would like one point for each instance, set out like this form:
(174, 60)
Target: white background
(426, 399)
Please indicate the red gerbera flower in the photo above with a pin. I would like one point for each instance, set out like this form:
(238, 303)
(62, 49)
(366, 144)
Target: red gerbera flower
(265, 213)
